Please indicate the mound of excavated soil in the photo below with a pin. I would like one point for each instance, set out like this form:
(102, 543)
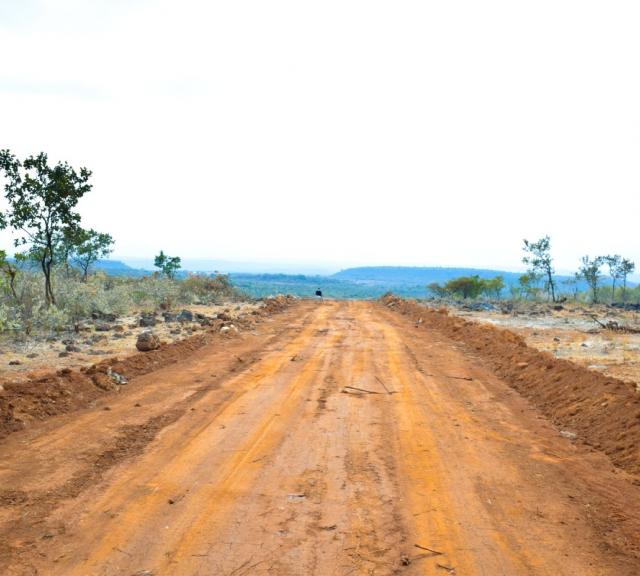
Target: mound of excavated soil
(67, 390)
(604, 412)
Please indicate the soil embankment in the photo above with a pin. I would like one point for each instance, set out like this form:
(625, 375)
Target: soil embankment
(36, 399)
(602, 411)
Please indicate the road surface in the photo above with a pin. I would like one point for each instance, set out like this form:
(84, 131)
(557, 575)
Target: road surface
(340, 439)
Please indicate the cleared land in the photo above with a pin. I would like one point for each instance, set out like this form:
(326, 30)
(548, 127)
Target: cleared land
(343, 438)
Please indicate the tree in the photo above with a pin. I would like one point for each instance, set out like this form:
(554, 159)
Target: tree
(88, 247)
(614, 263)
(528, 284)
(590, 271)
(540, 262)
(42, 201)
(10, 271)
(465, 286)
(572, 284)
(437, 290)
(168, 265)
(494, 286)
(626, 267)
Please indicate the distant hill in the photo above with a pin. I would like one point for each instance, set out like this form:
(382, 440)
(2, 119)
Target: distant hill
(408, 275)
(117, 268)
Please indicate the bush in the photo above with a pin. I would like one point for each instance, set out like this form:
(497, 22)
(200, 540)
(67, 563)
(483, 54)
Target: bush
(76, 300)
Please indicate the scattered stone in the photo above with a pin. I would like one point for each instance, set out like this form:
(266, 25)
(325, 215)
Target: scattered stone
(63, 354)
(147, 341)
(228, 327)
(117, 378)
(119, 328)
(567, 434)
(102, 327)
(147, 320)
(33, 355)
(185, 316)
(14, 362)
(556, 339)
(71, 348)
(169, 317)
(108, 317)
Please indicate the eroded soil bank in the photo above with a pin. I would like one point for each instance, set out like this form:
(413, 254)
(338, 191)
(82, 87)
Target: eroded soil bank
(602, 411)
(36, 398)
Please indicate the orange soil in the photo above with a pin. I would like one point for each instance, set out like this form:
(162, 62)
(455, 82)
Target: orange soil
(334, 442)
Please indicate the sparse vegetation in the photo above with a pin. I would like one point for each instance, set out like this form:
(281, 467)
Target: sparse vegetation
(41, 213)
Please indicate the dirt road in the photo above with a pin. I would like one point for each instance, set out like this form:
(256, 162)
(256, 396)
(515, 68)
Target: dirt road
(340, 440)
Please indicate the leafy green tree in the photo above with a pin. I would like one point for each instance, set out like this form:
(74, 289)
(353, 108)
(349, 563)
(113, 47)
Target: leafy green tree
(529, 284)
(89, 246)
(494, 286)
(540, 262)
(626, 267)
(168, 265)
(42, 201)
(465, 286)
(590, 272)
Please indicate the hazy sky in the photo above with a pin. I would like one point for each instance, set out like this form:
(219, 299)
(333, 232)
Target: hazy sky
(344, 132)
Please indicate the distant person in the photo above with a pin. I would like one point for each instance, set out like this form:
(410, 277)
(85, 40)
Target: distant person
(319, 294)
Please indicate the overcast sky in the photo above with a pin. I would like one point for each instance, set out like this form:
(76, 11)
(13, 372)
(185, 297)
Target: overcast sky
(338, 132)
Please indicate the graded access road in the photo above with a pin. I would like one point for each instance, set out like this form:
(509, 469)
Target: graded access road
(339, 439)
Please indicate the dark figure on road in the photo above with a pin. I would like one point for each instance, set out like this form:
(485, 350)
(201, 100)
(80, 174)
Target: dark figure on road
(319, 293)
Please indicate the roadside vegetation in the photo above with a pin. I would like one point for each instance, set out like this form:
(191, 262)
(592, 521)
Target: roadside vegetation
(602, 279)
(49, 283)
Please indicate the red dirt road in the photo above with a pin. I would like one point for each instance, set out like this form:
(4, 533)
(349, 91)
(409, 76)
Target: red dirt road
(340, 440)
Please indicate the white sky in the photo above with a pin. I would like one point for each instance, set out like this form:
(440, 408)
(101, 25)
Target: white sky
(340, 132)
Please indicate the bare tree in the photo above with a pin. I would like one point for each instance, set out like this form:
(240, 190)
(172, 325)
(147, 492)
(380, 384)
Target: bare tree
(540, 262)
(590, 271)
(626, 267)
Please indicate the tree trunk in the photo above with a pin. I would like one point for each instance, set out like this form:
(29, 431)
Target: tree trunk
(12, 284)
(551, 286)
(48, 288)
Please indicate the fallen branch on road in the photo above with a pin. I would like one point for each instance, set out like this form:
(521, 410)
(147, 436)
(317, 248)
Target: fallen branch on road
(362, 390)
